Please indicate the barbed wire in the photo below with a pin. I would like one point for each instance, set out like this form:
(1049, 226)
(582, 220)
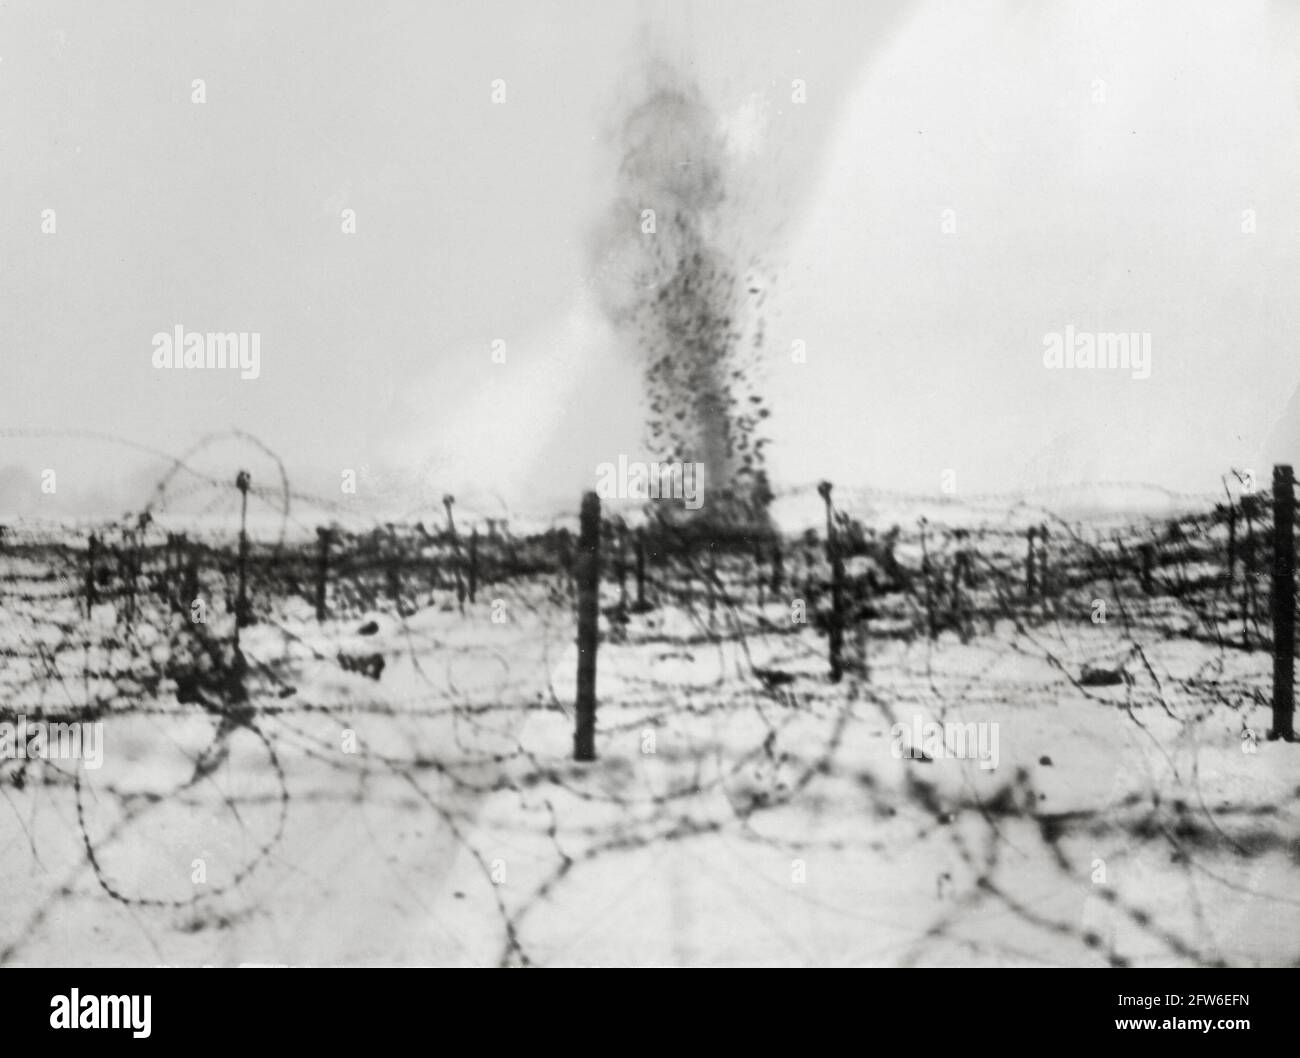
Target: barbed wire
(231, 694)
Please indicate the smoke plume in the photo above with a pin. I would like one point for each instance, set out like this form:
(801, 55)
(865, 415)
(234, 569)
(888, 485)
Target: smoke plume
(684, 292)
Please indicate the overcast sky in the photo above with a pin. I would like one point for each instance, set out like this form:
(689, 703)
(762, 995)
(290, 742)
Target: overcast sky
(1097, 159)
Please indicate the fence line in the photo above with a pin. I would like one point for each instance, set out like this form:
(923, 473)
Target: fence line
(1195, 575)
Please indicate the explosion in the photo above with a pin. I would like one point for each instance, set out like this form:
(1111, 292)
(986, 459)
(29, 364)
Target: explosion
(680, 289)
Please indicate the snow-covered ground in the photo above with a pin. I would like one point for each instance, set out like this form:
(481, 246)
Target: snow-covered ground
(435, 816)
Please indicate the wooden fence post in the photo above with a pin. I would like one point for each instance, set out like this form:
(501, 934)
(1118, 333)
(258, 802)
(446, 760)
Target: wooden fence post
(92, 552)
(1147, 551)
(925, 573)
(1283, 603)
(162, 582)
(710, 579)
(511, 561)
(175, 568)
(836, 627)
(1044, 583)
(1247, 569)
(242, 482)
(190, 585)
(388, 556)
(448, 502)
(435, 575)
(322, 569)
(960, 579)
(473, 563)
(588, 573)
(1030, 533)
(1232, 540)
(955, 573)
(176, 564)
(778, 568)
(128, 565)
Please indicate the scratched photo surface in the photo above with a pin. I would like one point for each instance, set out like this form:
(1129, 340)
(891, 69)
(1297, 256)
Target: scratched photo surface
(649, 483)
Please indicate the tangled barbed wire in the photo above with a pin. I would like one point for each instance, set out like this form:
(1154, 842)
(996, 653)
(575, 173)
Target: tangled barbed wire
(251, 687)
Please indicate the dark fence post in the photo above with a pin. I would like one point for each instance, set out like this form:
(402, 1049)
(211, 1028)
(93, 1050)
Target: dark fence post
(925, 574)
(175, 568)
(1030, 533)
(92, 552)
(836, 627)
(388, 549)
(588, 574)
(241, 601)
(1044, 583)
(162, 584)
(1247, 569)
(960, 580)
(954, 572)
(190, 585)
(435, 574)
(778, 568)
(1232, 540)
(1147, 551)
(128, 565)
(709, 580)
(1283, 603)
(448, 501)
(473, 563)
(322, 569)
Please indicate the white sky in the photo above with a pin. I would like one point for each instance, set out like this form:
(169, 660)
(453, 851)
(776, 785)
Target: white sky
(475, 222)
